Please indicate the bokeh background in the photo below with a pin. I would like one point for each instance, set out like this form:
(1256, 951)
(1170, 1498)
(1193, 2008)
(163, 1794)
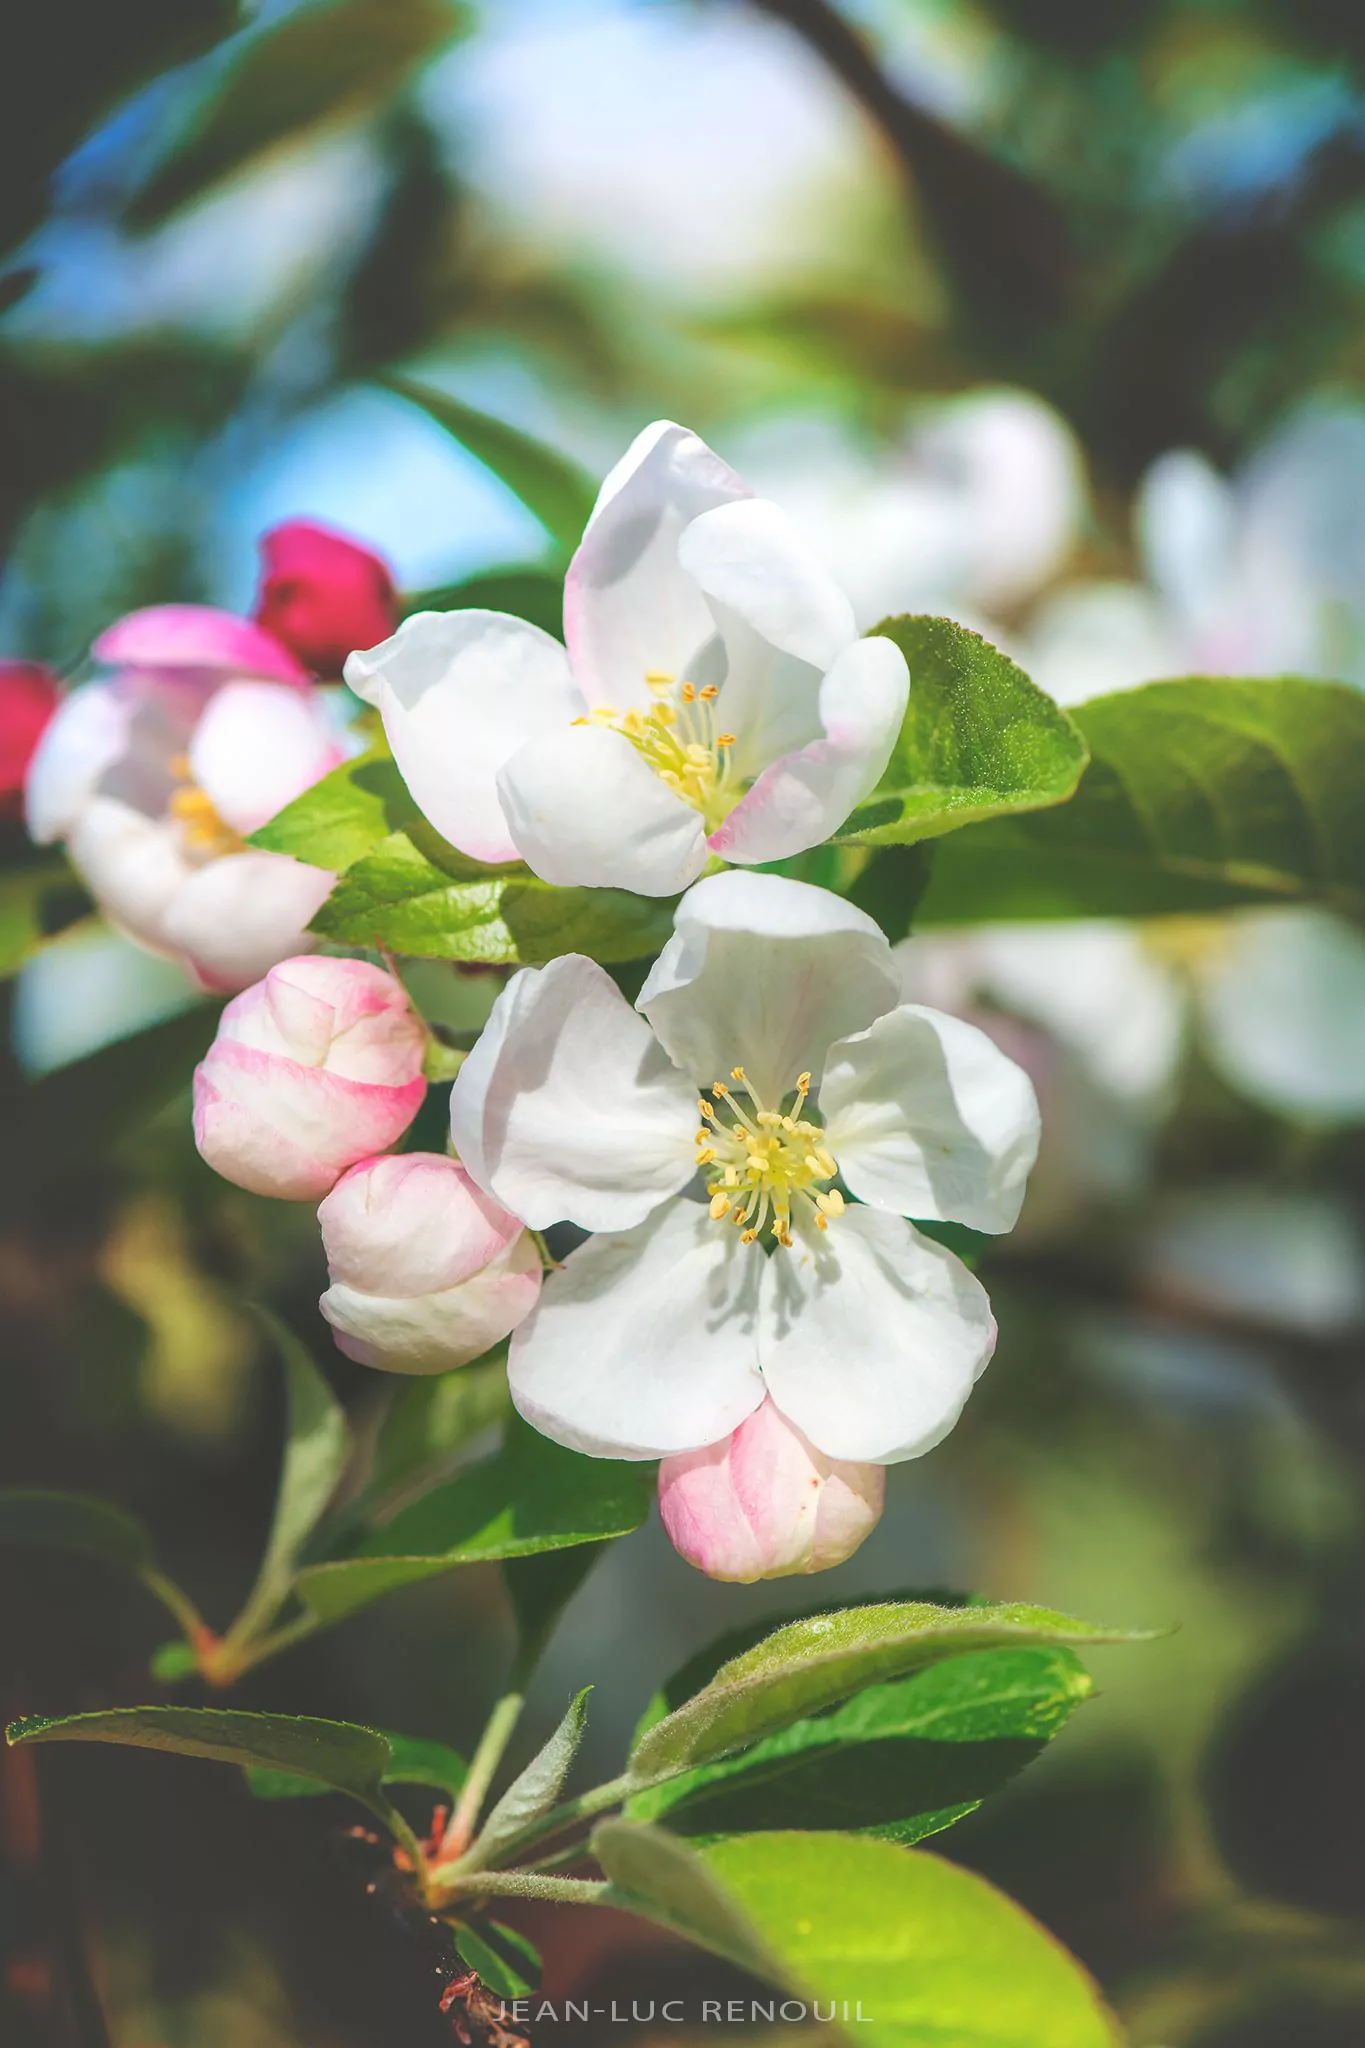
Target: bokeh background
(1044, 314)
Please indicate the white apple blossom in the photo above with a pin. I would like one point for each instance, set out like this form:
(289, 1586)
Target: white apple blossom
(714, 699)
(829, 1113)
(1253, 574)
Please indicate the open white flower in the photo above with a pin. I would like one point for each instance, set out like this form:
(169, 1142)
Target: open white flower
(714, 698)
(781, 1003)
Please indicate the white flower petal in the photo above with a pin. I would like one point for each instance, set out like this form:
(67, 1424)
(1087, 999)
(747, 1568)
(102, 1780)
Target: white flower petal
(628, 606)
(133, 866)
(645, 1343)
(459, 692)
(750, 559)
(805, 796)
(236, 917)
(871, 1337)
(257, 747)
(84, 737)
(928, 1118)
(765, 974)
(585, 810)
(566, 1109)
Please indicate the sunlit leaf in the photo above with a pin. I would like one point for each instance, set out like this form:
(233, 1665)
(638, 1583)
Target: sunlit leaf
(337, 821)
(810, 1665)
(914, 1952)
(910, 1756)
(978, 740)
(1202, 794)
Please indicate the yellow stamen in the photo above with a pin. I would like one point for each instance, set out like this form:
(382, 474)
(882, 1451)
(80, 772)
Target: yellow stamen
(767, 1167)
(677, 738)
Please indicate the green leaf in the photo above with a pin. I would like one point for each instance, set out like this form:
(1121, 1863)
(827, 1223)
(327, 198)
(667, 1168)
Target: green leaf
(339, 1755)
(507, 1963)
(321, 64)
(413, 1761)
(536, 595)
(68, 1521)
(653, 1874)
(533, 1496)
(36, 902)
(812, 1664)
(337, 821)
(536, 1789)
(911, 1756)
(1202, 794)
(317, 1446)
(548, 484)
(923, 1954)
(432, 1420)
(978, 740)
(426, 900)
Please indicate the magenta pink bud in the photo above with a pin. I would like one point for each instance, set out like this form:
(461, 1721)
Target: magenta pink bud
(196, 637)
(28, 698)
(322, 595)
(764, 1503)
(315, 1067)
(427, 1271)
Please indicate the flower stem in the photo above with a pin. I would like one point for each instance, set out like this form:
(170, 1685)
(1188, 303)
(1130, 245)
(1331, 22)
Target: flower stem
(522, 1884)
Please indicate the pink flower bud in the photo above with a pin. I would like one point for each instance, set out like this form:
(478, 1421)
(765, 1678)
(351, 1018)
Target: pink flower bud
(427, 1271)
(764, 1503)
(28, 698)
(322, 595)
(315, 1067)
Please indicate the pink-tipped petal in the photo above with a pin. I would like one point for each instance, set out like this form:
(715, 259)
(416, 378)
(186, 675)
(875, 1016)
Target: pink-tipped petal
(764, 1503)
(196, 636)
(411, 1224)
(313, 1069)
(426, 1333)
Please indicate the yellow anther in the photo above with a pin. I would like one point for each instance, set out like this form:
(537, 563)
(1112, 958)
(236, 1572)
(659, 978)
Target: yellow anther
(767, 1167)
(580, 721)
(803, 1083)
(203, 830)
(674, 735)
